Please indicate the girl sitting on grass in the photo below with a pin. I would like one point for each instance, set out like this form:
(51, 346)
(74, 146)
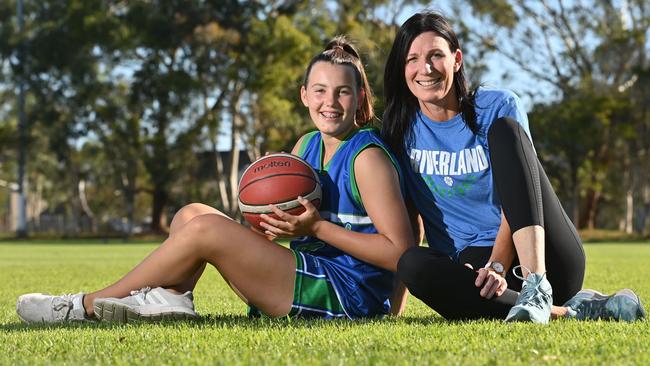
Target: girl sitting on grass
(341, 267)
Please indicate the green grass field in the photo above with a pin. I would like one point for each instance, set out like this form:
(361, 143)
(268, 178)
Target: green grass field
(225, 336)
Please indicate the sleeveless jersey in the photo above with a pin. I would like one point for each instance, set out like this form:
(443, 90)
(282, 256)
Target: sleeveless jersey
(448, 175)
(362, 289)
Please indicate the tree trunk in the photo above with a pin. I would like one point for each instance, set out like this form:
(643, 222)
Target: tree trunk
(83, 199)
(627, 221)
(644, 216)
(234, 168)
(629, 211)
(224, 197)
(235, 133)
(158, 212)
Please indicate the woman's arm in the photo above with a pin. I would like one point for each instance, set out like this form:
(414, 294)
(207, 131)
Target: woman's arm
(378, 184)
(504, 248)
(398, 298)
(503, 252)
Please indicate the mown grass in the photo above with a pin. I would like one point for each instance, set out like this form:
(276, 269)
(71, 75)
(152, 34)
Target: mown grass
(225, 336)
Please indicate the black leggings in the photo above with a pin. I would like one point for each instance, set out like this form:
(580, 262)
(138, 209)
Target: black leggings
(527, 199)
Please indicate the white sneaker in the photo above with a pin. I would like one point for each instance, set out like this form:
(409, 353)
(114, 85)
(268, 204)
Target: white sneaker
(44, 308)
(146, 305)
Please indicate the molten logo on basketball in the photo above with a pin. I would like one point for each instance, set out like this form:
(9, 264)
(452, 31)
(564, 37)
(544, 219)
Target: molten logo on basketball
(272, 164)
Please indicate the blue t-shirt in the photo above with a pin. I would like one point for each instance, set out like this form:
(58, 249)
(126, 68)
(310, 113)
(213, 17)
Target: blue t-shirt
(363, 289)
(448, 175)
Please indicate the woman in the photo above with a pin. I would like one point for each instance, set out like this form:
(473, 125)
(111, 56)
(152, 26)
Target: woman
(342, 267)
(473, 177)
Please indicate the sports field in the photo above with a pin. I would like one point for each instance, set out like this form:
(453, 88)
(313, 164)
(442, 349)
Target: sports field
(225, 336)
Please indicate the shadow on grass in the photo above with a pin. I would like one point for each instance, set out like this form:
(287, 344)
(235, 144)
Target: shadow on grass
(229, 321)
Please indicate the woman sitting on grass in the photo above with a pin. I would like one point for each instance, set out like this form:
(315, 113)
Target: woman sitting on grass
(342, 267)
(473, 176)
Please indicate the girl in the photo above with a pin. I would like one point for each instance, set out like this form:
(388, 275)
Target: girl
(341, 267)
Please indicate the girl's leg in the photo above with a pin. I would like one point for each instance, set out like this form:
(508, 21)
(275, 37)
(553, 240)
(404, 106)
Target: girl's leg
(183, 216)
(261, 270)
(545, 239)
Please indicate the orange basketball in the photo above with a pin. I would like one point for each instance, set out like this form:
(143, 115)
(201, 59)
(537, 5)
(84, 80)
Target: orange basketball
(277, 179)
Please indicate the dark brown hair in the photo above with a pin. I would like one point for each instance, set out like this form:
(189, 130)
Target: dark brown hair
(401, 104)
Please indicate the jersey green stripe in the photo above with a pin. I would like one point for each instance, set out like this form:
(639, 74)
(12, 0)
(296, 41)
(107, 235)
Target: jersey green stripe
(305, 141)
(345, 141)
(319, 293)
(298, 282)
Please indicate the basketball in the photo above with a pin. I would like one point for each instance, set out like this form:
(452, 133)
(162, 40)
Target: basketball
(277, 179)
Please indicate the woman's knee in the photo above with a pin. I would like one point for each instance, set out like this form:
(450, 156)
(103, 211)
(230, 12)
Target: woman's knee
(412, 266)
(503, 129)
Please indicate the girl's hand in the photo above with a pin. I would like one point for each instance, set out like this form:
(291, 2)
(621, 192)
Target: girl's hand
(288, 225)
(260, 233)
(492, 282)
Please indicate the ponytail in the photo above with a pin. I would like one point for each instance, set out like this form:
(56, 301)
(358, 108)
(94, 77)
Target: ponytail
(339, 51)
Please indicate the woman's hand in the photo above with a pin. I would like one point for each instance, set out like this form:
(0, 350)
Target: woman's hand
(492, 282)
(287, 225)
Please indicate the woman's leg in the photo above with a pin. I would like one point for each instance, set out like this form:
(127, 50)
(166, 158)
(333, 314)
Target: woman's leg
(565, 256)
(545, 238)
(448, 287)
(261, 270)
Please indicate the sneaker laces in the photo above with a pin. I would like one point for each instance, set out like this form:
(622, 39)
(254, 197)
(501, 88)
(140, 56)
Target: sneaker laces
(595, 308)
(143, 291)
(521, 267)
(62, 302)
(533, 295)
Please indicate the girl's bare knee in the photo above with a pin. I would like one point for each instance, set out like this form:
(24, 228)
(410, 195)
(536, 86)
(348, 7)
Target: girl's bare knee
(205, 230)
(189, 212)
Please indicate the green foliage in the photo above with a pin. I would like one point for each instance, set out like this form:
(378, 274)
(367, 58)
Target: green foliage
(225, 336)
(498, 11)
(128, 96)
(592, 129)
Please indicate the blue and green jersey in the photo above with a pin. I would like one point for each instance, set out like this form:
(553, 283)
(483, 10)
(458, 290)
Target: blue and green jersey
(362, 288)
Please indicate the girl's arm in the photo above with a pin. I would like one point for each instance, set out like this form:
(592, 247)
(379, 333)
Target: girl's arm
(400, 293)
(378, 184)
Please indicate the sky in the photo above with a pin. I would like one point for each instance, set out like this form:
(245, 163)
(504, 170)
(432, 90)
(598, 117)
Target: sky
(518, 81)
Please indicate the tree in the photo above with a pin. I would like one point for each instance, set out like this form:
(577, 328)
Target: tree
(589, 51)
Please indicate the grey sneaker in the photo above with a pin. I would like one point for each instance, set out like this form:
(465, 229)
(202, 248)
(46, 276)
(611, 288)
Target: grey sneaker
(146, 305)
(623, 305)
(534, 302)
(44, 308)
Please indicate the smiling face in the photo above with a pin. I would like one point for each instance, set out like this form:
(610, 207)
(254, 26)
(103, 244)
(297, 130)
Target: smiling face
(332, 96)
(429, 73)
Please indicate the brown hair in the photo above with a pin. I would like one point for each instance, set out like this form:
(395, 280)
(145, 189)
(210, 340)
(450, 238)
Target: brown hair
(339, 51)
